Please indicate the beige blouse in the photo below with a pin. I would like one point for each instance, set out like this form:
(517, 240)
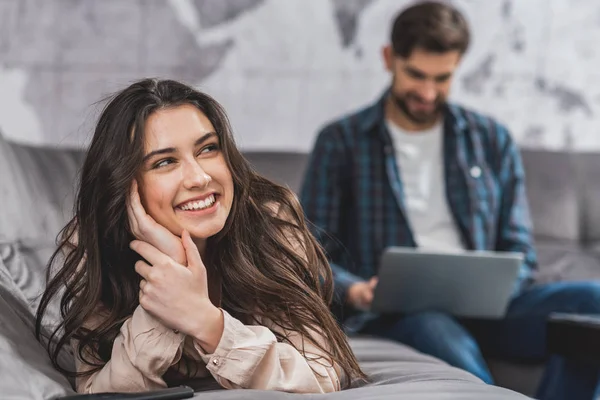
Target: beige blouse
(248, 356)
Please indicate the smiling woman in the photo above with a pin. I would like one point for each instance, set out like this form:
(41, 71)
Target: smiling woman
(182, 262)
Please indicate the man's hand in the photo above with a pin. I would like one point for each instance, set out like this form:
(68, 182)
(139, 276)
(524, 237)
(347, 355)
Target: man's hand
(360, 295)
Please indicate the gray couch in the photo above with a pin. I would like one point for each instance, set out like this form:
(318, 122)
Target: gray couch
(36, 193)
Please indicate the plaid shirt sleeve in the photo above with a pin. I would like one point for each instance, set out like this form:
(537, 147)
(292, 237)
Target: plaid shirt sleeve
(321, 198)
(515, 226)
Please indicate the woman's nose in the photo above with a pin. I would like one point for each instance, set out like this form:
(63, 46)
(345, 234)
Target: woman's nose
(195, 176)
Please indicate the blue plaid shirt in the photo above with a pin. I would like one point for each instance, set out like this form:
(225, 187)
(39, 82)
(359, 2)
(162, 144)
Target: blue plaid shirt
(353, 194)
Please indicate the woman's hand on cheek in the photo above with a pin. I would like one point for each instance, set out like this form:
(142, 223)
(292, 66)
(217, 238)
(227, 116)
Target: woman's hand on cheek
(145, 228)
(178, 295)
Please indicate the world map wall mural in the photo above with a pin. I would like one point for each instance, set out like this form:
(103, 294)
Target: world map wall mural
(283, 68)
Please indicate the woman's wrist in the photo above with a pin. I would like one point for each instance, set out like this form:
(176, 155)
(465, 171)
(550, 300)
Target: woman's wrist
(210, 329)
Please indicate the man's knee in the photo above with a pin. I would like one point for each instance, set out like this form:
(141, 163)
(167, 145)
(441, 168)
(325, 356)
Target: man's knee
(430, 320)
(441, 335)
(441, 328)
(577, 297)
(588, 297)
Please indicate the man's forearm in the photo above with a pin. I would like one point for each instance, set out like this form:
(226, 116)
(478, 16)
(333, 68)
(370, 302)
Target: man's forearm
(342, 279)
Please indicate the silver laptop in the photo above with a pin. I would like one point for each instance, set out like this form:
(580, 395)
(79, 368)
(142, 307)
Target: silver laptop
(472, 284)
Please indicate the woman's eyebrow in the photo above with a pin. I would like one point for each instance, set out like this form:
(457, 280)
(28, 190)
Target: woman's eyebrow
(168, 150)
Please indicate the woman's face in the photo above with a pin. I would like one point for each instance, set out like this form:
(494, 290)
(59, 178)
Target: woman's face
(185, 182)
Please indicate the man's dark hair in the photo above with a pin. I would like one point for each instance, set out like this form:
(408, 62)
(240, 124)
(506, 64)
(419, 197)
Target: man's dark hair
(431, 26)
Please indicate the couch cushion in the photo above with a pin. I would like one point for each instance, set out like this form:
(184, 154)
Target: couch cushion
(588, 179)
(522, 378)
(552, 194)
(560, 262)
(563, 189)
(284, 168)
(36, 190)
(26, 369)
(369, 349)
(424, 386)
(26, 261)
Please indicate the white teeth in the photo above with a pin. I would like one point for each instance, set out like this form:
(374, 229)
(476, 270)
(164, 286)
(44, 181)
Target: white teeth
(199, 204)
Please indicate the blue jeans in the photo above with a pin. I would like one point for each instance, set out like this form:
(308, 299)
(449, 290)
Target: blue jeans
(520, 336)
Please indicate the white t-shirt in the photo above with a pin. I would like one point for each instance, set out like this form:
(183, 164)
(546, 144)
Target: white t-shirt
(420, 158)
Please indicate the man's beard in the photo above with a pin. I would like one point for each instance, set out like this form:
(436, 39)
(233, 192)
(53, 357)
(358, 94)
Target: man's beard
(423, 117)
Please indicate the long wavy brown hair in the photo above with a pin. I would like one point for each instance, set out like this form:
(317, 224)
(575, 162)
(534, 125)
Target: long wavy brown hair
(262, 276)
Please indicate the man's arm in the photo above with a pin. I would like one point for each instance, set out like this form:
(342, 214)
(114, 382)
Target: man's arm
(321, 198)
(343, 279)
(514, 225)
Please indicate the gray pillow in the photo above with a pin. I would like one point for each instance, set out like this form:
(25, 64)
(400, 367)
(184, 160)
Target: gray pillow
(36, 190)
(25, 369)
(26, 262)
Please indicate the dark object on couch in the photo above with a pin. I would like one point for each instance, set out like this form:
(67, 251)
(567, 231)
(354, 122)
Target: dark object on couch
(575, 337)
(174, 393)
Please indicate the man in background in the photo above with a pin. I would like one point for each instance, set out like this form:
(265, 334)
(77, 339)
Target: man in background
(414, 170)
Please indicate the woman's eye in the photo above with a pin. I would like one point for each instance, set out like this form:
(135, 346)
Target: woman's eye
(209, 148)
(162, 163)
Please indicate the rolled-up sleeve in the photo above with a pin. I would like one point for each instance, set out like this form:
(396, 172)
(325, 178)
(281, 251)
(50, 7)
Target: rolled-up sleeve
(142, 352)
(250, 357)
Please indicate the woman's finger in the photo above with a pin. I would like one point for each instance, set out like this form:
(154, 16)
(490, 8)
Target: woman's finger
(150, 253)
(143, 269)
(191, 251)
(133, 221)
(144, 222)
(143, 284)
(136, 202)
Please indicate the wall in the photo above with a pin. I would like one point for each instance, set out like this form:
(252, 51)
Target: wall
(284, 67)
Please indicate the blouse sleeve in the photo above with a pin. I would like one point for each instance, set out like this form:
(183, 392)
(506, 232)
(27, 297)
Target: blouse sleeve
(142, 352)
(250, 357)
